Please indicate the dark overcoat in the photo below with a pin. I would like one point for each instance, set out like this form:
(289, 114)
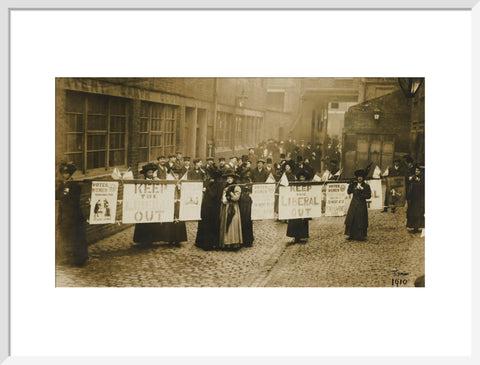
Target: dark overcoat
(72, 237)
(356, 222)
(416, 203)
(208, 232)
(245, 205)
(259, 176)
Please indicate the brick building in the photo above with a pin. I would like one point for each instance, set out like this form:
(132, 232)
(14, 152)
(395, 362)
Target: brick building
(376, 131)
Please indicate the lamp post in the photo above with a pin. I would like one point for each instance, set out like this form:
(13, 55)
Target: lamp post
(410, 85)
(376, 115)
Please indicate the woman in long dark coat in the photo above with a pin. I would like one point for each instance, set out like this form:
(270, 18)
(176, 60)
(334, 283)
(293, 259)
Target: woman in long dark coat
(416, 201)
(174, 232)
(298, 228)
(147, 233)
(356, 222)
(72, 236)
(209, 226)
(245, 205)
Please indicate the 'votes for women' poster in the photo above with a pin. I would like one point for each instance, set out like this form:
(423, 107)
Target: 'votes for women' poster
(103, 202)
(335, 199)
(376, 201)
(263, 201)
(300, 201)
(191, 200)
(148, 202)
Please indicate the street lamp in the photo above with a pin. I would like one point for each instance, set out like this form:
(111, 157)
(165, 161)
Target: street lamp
(410, 85)
(376, 114)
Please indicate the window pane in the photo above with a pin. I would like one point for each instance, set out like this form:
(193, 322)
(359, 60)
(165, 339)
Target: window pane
(74, 102)
(74, 142)
(118, 106)
(97, 123)
(74, 122)
(117, 140)
(156, 125)
(143, 125)
(117, 124)
(95, 160)
(143, 140)
(157, 111)
(155, 152)
(97, 104)
(96, 142)
(145, 110)
(116, 158)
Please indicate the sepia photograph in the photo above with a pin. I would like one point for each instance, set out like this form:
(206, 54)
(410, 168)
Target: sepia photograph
(240, 182)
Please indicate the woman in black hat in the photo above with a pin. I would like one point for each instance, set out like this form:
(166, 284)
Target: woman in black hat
(72, 237)
(230, 220)
(298, 228)
(147, 233)
(174, 232)
(245, 205)
(356, 222)
(416, 200)
(208, 231)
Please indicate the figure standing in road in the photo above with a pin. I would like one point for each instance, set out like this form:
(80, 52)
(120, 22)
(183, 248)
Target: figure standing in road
(416, 200)
(298, 228)
(72, 236)
(356, 222)
(230, 220)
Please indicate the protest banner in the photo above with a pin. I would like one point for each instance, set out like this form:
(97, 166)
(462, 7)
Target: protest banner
(300, 201)
(191, 200)
(376, 201)
(148, 202)
(103, 202)
(336, 196)
(396, 191)
(263, 201)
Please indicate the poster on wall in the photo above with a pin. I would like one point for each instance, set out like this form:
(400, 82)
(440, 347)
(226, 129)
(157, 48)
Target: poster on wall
(103, 202)
(263, 201)
(191, 200)
(300, 201)
(336, 196)
(148, 202)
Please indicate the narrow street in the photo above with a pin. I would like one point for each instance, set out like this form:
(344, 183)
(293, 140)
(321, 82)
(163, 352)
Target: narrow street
(326, 260)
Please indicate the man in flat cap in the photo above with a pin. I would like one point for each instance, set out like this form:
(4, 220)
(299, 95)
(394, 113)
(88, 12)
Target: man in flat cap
(259, 174)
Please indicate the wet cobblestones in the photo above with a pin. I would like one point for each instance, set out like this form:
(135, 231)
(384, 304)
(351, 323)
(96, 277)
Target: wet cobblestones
(326, 260)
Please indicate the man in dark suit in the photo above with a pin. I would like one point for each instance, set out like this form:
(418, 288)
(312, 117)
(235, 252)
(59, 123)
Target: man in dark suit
(171, 163)
(259, 174)
(162, 169)
(196, 173)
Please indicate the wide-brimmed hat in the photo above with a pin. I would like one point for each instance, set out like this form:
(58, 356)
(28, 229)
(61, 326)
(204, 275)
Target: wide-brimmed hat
(303, 173)
(361, 173)
(148, 166)
(68, 168)
(229, 172)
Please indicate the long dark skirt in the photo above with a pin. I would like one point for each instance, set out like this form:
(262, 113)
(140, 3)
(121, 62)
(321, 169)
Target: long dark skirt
(356, 222)
(208, 231)
(245, 205)
(297, 228)
(147, 232)
(416, 214)
(72, 240)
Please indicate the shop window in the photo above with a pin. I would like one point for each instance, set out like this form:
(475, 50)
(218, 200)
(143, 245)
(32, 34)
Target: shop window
(157, 130)
(223, 131)
(95, 130)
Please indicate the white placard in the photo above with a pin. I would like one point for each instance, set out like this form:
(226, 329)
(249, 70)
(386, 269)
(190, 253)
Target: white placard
(148, 202)
(263, 201)
(191, 201)
(336, 197)
(300, 201)
(376, 201)
(103, 202)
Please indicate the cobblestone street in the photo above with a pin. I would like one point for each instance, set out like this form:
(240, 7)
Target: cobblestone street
(326, 260)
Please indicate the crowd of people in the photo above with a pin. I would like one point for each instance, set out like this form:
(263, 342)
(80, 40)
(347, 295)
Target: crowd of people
(226, 205)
